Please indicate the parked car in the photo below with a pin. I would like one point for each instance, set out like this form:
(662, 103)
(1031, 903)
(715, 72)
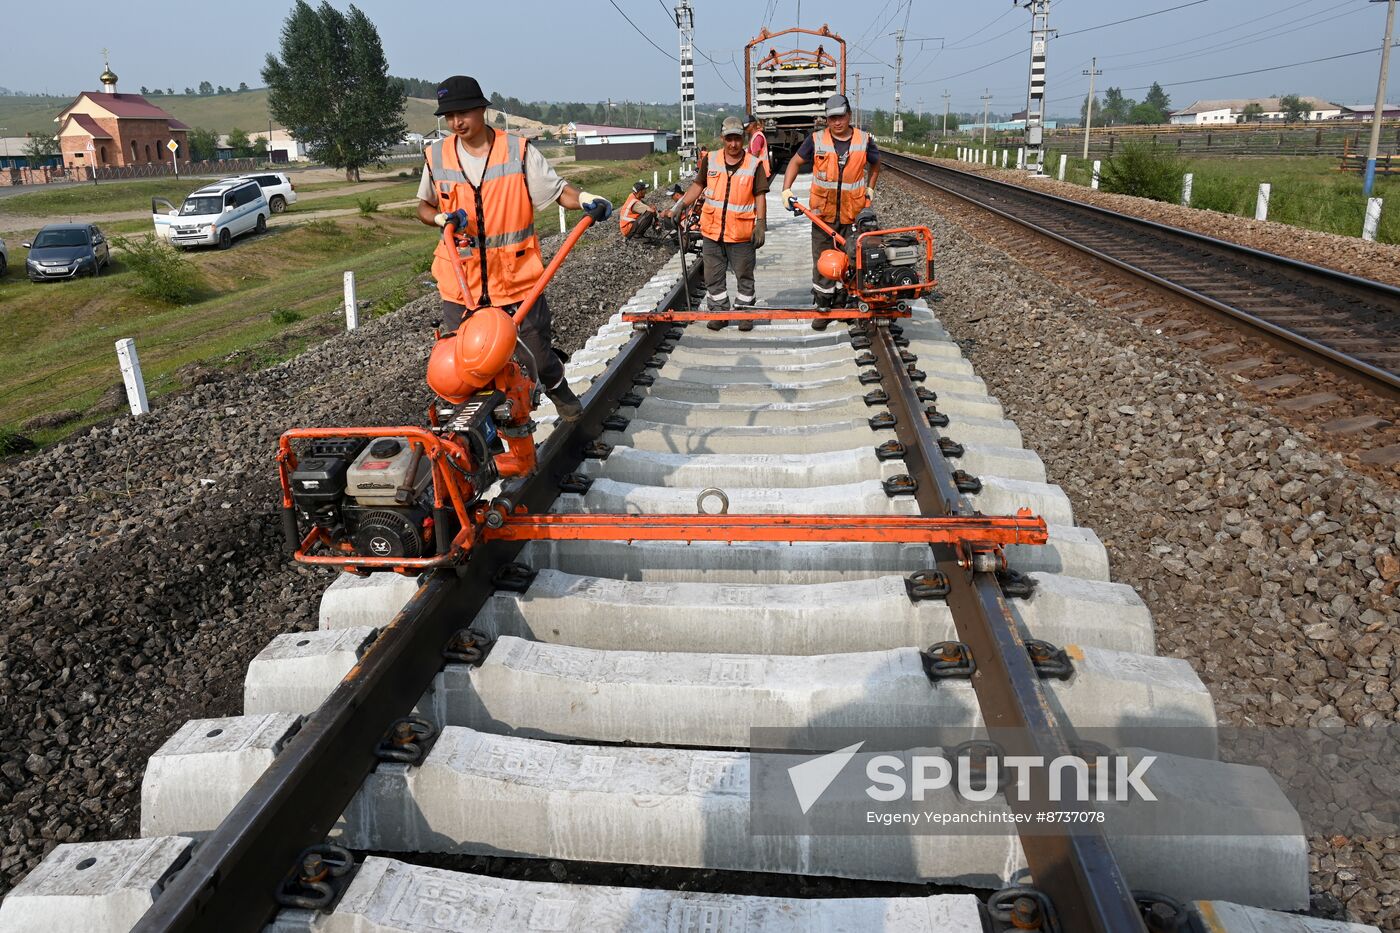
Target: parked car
(277, 188)
(66, 251)
(214, 214)
(4, 257)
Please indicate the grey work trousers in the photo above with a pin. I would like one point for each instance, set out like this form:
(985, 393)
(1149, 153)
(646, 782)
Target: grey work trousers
(536, 336)
(821, 240)
(720, 258)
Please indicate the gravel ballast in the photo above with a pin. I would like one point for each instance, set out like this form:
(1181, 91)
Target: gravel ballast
(1270, 567)
(143, 557)
(1377, 261)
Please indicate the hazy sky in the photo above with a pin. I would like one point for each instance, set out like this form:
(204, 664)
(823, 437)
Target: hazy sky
(586, 50)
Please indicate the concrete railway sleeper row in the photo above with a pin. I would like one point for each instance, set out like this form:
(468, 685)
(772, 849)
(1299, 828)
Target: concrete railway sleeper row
(600, 711)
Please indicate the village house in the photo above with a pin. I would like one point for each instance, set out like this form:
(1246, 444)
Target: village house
(107, 129)
(1231, 111)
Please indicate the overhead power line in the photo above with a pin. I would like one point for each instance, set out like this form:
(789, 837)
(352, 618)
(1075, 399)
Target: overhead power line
(640, 33)
(1119, 22)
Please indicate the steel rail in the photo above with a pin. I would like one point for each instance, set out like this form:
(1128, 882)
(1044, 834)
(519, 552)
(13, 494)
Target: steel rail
(232, 880)
(1383, 380)
(1076, 871)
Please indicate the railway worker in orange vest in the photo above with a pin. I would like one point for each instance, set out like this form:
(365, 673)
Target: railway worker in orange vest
(488, 185)
(758, 143)
(733, 219)
(636, 216)
(845, 164)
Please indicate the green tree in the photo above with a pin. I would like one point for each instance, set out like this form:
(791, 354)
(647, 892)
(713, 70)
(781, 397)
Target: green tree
(170, 91)
(239, 142)
(1159, 99)
(332, 90)
(1252, 112)
(242, 86)
(1145, 113)
(189, 92)
(39, 149)
(1116, 107)
(157, 92)
(203, 144)
(1294, 108)
(205, 89)
(145, 90)
(1084, 110)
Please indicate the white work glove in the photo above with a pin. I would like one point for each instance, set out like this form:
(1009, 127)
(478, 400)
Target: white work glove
(457, 218)
(586, 201)
(869, 195)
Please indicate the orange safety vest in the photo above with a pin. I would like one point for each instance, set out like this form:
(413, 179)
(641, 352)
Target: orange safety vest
(729, 211)
(501, 253)
(763, 151)
(838, 188)
(629, 215)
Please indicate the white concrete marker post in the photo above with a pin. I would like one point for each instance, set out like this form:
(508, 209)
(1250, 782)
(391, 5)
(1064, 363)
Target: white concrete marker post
(1094, 180)
(1004, 154)
(668, 176)
(1186, 181)
(1373, 218)
(1020, 158)
(1261, 203)
(352, 307)
(131, 375)
(1063, 159)
(561, 218)
(655, 178)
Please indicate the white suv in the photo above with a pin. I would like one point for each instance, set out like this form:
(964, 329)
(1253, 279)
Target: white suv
(213, 214)
(277, 188)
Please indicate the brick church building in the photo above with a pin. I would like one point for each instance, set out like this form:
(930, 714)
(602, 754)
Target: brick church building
(106, 129)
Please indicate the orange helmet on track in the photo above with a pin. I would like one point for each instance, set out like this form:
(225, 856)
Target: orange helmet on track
(473, 356)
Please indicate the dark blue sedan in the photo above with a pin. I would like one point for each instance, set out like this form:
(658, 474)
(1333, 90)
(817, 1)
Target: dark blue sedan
(66, 251)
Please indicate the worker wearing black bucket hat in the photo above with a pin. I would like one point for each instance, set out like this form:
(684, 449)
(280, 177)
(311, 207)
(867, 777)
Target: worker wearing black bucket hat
(488, 184)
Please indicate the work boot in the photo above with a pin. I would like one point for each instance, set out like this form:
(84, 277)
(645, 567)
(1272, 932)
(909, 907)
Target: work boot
(566, 403)
(823, 302)
(741, 305)
(713, 307)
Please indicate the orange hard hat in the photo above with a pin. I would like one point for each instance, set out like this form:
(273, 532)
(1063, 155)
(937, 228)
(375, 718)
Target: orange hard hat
(832, 264)
(472, 357)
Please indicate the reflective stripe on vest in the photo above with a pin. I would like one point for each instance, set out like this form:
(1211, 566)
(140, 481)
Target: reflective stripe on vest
(729, 210)
(499, 250)
(833, 183)
(629, 214)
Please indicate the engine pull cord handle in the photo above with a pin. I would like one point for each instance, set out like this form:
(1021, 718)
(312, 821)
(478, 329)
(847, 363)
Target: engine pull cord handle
(589, 218)
(797, 206)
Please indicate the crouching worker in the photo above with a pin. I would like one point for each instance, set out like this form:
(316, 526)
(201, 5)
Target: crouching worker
(488, 185)
(636, 217)
(733, 219)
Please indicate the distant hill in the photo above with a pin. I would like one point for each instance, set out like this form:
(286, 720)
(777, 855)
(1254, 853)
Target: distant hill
(217, 112)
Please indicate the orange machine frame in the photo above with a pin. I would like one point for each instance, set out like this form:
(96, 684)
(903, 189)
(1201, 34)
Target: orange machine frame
(780, 59)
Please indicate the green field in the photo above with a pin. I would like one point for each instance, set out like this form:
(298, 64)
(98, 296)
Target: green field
(1306, 191)
(218, 112)
(259, 302)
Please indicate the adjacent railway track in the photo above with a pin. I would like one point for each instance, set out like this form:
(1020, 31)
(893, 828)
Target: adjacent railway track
(1346, 323)
(591, 702)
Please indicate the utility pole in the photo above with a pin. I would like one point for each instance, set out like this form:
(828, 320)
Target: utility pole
(1374, 147)
(986, 99)
(856, 119)
(946, 98)
(685, 24)
(898, 79)
(1089, 108)
(1035, 94)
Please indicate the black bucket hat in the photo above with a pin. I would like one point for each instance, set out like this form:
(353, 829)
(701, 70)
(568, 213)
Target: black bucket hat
(459, 92)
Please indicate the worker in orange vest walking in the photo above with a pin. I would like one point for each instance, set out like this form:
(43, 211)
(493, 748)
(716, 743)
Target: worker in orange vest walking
(845, 164)
(488, 185)
(733, 219)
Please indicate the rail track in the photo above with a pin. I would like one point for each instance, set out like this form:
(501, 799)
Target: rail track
(580, 703)
(1346, 323)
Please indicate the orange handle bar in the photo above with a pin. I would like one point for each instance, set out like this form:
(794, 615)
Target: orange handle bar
(552, 268)
(796, 206)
